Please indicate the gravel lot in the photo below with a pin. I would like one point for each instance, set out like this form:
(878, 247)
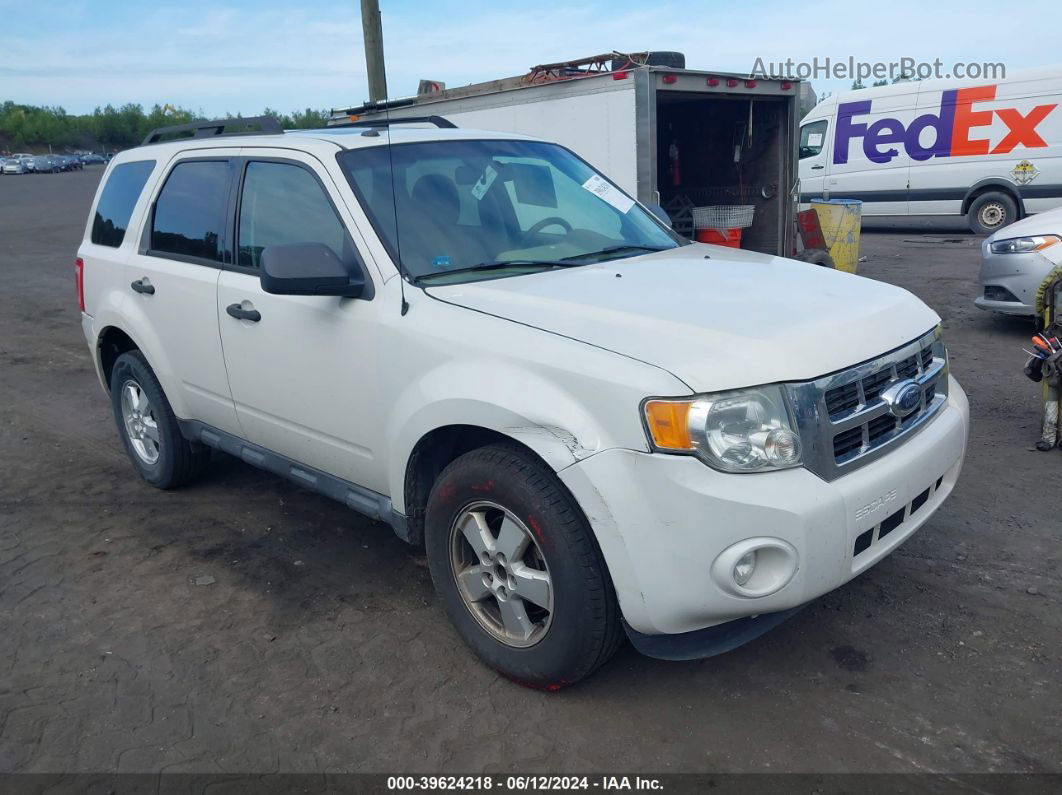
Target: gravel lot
(244, 625)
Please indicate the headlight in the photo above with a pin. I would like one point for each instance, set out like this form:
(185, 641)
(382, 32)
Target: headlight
(1020, 245)
(747, 430)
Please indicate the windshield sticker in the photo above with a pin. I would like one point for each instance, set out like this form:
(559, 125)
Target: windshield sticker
(486, 179)
(442, 261)
(814, 139)
(604, 189)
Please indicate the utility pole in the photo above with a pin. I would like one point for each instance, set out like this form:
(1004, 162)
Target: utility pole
(374, 54)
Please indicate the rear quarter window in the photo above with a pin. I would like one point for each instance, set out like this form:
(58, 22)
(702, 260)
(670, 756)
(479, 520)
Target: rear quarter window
(123, 188)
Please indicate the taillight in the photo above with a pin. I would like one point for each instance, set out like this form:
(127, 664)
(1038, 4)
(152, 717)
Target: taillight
(79, 280)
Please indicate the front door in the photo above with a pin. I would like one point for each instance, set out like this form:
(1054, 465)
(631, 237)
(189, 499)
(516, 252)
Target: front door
(303, 370)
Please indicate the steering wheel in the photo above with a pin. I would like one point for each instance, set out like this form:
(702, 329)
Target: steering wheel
(553, 219)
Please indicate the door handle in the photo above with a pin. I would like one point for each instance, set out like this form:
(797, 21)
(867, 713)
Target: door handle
(143, 286)
(817, 168)
(240, 313)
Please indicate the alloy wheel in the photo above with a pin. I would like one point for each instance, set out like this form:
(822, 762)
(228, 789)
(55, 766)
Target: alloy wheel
(501, 574)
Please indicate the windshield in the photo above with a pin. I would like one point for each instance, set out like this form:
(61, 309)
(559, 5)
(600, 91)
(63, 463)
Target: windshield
(466, 208)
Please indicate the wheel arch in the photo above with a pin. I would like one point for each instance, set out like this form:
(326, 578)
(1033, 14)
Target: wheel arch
(111, 343)
(993, 184)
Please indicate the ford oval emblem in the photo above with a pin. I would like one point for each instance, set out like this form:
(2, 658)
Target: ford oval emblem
(903, 398)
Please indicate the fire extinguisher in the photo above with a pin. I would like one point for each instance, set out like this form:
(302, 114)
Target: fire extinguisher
(674, 166)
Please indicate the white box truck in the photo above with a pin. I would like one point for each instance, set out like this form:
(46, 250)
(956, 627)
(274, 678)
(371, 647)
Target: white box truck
(670, 136)
(987, 150)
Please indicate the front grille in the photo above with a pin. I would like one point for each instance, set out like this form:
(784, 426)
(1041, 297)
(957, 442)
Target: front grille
(849, 418)
(869, 538)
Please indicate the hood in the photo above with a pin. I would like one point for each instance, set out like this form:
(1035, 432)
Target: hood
(732, 320)
(1046, 223)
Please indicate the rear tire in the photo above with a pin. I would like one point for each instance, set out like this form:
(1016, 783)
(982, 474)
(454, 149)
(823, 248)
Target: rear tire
(148, 427)
(990, 212)
(501, 498)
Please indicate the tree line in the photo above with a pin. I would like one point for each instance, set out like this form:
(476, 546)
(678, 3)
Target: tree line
(110, 128)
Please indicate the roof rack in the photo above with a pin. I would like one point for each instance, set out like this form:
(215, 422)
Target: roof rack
(438, 121)
(204, 129)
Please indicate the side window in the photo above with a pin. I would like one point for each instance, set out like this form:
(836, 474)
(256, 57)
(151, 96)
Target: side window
(812, 138)
(118, 200)
(284, 203)
(190, 211)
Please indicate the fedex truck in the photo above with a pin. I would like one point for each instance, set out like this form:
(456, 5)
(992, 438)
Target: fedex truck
(987, 150)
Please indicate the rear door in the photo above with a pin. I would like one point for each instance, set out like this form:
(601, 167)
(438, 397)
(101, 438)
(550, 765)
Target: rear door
(173, 285)
(303, 375)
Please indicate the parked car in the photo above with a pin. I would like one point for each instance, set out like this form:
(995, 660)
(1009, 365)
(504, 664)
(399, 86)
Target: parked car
(1016, 260)
(14, 165)
(987, 150)
(46, 164)
(71, 162)
(594, 426)
(93, 158)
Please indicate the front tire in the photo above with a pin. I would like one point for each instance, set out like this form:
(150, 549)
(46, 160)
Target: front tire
(518, 569)
(990, 212)
(148, 427)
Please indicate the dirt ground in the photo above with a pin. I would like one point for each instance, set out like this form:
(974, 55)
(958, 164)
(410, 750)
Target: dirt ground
(245, 625)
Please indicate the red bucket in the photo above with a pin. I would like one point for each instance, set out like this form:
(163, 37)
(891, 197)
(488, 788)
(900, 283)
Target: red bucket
(720, 237)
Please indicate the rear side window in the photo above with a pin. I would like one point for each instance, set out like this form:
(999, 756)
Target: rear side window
(190, 211)
(284, 203)
(118, 200)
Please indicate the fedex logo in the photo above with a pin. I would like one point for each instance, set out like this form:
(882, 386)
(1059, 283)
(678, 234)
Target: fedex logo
(954, 129)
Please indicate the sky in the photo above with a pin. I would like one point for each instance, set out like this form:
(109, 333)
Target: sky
(228, 56)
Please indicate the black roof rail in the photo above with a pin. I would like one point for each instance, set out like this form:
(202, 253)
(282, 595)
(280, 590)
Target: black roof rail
(204, 129)
(438, 121)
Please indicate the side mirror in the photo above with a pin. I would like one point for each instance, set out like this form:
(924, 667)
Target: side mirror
(307, 269)
(661, 213)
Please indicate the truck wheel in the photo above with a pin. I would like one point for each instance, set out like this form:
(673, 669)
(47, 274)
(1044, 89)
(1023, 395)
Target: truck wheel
(148, 427)
(816, 256)
(518, 569)
(675, 60)
(991, 211)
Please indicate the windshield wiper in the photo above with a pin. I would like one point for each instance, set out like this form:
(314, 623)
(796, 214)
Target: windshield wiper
(617, 249)
(494, 266)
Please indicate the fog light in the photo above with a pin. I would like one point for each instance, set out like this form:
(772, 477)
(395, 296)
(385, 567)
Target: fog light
(782, 447)
(744, 568)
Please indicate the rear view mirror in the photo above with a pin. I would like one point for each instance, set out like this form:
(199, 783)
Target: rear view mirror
(661, 213)
(307, 269)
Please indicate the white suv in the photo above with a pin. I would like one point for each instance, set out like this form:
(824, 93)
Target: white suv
(594, 427)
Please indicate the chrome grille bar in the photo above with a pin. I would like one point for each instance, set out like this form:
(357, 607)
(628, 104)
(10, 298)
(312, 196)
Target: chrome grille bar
(829, 440)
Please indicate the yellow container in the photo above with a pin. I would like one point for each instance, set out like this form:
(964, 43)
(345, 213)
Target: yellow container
(840, 220)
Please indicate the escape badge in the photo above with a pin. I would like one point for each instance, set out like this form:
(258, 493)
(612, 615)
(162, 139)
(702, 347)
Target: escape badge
(1024, 173)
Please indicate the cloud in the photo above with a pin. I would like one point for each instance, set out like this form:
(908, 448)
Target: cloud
(237, 55)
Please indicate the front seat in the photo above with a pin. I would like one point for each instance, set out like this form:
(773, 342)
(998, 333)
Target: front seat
(438, 243)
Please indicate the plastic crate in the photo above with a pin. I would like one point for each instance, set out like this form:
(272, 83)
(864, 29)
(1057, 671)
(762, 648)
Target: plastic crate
(723, 216)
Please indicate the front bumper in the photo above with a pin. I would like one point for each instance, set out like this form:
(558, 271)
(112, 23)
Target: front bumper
(1020, 274)
(661, 521)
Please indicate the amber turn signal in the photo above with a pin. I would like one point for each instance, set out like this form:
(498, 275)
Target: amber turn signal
(668, 423)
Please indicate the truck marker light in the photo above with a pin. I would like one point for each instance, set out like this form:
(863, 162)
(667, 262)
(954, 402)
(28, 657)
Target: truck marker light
(786, 85)
(619, 75)
(731, 82)
(712, 81)
(750, 84)
(669, 79)
(668, 422)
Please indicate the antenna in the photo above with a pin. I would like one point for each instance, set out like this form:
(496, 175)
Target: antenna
(394, 205)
